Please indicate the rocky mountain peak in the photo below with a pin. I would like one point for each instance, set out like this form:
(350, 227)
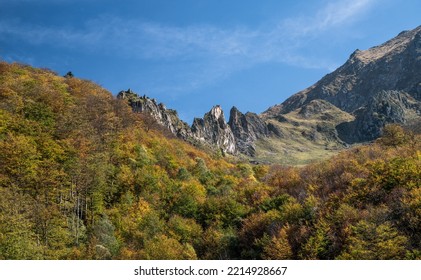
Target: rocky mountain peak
(391, 70)
(213, 129)
(247, 128)
(372, 88)
(392, 47)
(217, 113)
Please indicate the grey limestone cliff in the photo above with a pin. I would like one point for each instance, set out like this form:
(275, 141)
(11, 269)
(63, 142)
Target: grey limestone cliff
(247, 128)
(210, 130)
(166, 117)
(236, 136)
(213, 129)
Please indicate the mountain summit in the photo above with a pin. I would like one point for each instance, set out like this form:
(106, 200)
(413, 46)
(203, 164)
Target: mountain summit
(377, 86)
(374, 87)
(233, 137)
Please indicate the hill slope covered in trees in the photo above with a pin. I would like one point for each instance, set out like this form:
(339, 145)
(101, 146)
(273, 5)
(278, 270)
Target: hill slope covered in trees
(83, 177)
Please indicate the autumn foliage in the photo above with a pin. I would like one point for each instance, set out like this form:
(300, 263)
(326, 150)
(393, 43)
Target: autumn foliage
(82, 177)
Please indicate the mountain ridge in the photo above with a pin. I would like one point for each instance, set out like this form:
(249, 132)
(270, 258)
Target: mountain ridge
(233, 137)
(343, 80)
(350, 105)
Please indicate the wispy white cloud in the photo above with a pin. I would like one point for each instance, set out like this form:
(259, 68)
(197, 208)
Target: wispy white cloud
(340, 12)
(333, 14)
(217, 52)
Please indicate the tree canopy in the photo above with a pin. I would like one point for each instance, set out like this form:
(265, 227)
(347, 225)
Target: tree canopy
(83, 177)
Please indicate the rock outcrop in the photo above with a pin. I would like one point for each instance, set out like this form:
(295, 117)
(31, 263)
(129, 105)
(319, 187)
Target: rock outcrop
(166, 117)
(384, 107)
(214, 130)
(247, 128)
(236, 136)
(211, 130)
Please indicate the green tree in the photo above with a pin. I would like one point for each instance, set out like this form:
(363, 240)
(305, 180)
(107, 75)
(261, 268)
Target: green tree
(394, 135)
(17, 239)
(371, 242)
(278, 248)
(162, 247)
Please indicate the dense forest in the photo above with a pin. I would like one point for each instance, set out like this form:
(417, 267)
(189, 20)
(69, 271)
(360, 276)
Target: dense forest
(83, 177)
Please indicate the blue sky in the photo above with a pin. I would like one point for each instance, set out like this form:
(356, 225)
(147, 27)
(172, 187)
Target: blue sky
(193, 54)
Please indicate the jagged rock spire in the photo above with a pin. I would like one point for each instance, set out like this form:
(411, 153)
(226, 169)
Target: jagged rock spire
(213, 129)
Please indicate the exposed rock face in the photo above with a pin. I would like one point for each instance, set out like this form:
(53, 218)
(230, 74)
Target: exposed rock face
(166, 117)
(352, 104)
(378, 86)
(214, 130)
(385, 107)
(247, 128)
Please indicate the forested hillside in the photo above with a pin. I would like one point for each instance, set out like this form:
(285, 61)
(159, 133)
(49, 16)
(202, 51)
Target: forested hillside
(83, 177)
